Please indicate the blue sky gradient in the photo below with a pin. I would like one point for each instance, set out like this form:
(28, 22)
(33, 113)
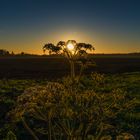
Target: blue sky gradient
(113, 26)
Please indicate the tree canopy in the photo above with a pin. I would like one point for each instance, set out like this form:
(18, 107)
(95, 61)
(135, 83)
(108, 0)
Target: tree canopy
(4, 52)
(61, 47)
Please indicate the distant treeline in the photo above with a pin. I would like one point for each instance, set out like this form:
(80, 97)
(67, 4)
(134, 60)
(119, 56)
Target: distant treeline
(4, 52)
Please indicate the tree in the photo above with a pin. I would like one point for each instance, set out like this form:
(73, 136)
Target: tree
(12, 53)
(75, 52)
(51, 48)
(4, 52)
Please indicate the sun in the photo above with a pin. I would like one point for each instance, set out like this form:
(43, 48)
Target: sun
(70, 46)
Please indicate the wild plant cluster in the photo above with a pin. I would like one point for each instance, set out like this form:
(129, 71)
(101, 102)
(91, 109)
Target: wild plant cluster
(68, 111)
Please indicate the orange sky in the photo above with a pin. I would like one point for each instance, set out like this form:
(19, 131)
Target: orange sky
(103, 44)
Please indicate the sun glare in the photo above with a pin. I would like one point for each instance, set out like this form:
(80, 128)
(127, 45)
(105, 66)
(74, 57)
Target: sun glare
(70, 47)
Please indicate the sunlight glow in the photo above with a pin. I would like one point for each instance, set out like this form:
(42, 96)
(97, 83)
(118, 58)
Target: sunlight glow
(70, 46)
